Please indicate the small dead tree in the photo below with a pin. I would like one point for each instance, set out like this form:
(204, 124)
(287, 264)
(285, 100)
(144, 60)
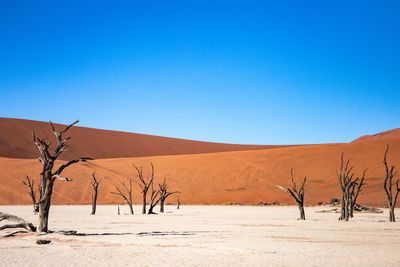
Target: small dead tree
(145, 185)
(351, 187)
(388, 183)
(48, 175)
(179, 203)
(355, 189)
(163, 190)
(297, 194)
(153, 199)
(95, 185)
(126, 196)
(345, 177)
(30, 184)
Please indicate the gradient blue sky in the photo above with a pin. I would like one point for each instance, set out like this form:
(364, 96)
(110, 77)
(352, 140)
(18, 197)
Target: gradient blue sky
(256, 72)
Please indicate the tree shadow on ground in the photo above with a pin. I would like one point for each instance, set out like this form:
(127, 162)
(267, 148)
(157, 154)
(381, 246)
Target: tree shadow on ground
(76, 233)
(152, 233)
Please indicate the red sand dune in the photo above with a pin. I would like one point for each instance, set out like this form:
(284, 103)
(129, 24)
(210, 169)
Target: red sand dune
(16, 142)
(395, 133)
(215, 178)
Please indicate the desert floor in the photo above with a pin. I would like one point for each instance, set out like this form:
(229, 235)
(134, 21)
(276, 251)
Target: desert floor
(205, 236)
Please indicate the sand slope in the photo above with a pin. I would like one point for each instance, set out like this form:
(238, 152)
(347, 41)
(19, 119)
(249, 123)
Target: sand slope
(16, 142)
(215, 178)
(394, 133)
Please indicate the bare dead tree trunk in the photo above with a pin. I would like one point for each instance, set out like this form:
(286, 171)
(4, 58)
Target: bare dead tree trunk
(20, 223)
(179, 203)
(302, 213)
(297, 194)
(44, 210)
(345, 177)
(30, 184)
(161, 205)
(387, 186)
(48, 176)
(144, 184)
(163, 190)
(126, 196)
(342, 208)
(153, 199)
(391, 214)
(346, 206)
(350, 186)
(95, 186)
(351, 207)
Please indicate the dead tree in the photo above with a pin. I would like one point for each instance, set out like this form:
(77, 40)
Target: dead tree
(30, 184)
(388, 183)
(177, 206)
(355, 189)
(350, 186)
(297, 194)
(48, 175)
(163, 190)
(144, 184)
(153, 199)
(20, 223)
(95, 184)
(346, 181)
(126, 196)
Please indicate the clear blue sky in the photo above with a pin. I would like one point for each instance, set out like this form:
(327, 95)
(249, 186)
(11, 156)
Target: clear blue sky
(257, 72)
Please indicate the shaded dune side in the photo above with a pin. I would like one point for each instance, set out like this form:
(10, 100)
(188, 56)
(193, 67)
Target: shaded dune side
(242, 176)
(16, 142)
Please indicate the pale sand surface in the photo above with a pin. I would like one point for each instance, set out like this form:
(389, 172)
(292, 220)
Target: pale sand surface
(205, 236)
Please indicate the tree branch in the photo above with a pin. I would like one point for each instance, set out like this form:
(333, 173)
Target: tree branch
(62, 167)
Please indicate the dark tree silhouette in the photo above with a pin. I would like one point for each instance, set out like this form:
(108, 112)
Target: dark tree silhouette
(153, 199)
(95, 185)
(388, 183)
(48, 175)
(355, 189)
(297, 194)
(351, 187)
(144, 184)
(163, 190)
(126, 196)
(31, 191)
(346, 179)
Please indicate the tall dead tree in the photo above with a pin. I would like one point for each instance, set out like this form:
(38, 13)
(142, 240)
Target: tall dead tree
(126, 196)
(95, 185)
(153, 199)
(144, 184)
(297, 194)
(388, 183)
(31, 191)
(48, 175)
(163, 190)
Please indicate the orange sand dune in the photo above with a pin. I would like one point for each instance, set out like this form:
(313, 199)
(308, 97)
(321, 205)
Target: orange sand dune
(215, 178)
(16, 142)
(395, 133)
